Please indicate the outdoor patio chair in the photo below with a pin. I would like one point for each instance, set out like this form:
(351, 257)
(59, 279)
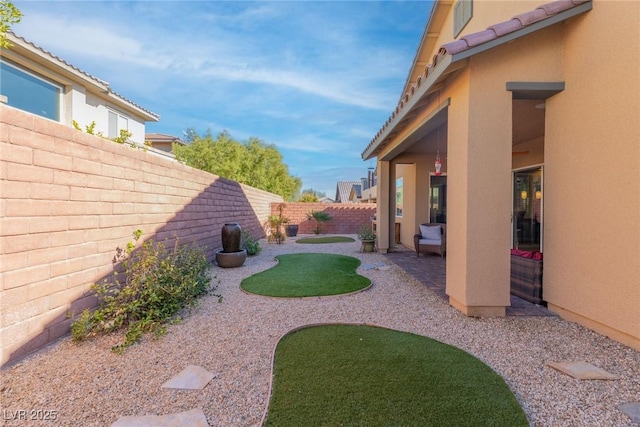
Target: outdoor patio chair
(431, 239)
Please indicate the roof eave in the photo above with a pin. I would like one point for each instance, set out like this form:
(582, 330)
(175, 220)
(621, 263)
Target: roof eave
(437, 74)
(75, 74)
(529, 29)
(447, 63)
(429, 33)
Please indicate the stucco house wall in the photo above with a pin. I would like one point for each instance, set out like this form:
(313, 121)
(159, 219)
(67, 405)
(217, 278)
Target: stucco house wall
(590, 154)
(592, 160)
(68, 199)
(83, 98)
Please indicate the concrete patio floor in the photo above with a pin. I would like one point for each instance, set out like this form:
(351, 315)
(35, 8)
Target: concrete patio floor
(430, 270)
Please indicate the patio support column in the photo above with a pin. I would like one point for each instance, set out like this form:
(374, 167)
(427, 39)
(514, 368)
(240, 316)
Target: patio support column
(479, 203)
(383, 205)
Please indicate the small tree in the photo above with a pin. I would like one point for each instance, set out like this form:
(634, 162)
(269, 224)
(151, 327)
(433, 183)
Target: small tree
(275, 224)
(308, 198)
(319, 217)
(9, 15)
(310, 195)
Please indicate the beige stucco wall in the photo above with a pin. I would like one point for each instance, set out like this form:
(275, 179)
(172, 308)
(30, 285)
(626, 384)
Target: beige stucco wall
(535, 155)
(408, 219)
(592, 175)
(591, 157)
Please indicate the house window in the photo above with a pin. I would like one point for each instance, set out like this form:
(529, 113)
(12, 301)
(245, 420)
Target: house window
(462, 13)
(29, 92)
(117, 122)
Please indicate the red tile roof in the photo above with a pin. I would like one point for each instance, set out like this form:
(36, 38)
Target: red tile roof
(494, 33)
(518, 22)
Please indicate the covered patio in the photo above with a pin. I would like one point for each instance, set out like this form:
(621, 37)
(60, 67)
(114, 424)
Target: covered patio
(430, 270)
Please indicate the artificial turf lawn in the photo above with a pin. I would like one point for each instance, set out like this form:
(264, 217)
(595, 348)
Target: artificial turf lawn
(326, 239)
(367, 376)
(306, 275)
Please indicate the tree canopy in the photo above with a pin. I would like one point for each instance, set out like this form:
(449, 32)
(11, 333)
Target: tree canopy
(310, 195)
(9, 15)
(253, 162)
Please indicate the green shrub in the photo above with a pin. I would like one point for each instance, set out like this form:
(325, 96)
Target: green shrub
(319, 217)
(251, 245)
(153, 286)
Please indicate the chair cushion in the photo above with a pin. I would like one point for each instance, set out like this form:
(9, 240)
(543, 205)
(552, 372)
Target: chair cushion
(434, 242)
(431, 232)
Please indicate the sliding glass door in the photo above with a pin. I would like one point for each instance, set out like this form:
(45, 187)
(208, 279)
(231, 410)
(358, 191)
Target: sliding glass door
(527, 209)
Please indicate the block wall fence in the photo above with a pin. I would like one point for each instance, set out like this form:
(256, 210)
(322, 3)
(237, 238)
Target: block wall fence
(68, 199)
(346, 217)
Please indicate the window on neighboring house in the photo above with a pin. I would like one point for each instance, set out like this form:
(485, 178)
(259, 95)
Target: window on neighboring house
(462, 13)
(117, 122)
(29, 92)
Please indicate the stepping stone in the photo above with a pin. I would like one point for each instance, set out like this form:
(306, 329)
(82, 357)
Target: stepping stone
(583, 371)
(191, 378)
(192, 418)
(632, 410)
(378, 265)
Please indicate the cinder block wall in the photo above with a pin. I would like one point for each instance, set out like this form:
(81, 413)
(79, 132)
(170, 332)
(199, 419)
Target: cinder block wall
(346, 218)
(68, 199)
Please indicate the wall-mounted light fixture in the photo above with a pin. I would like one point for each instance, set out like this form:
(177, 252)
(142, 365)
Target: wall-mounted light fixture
(523, 195)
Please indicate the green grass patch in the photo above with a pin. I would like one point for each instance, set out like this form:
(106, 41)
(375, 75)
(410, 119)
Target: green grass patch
(367, 376)
(307, 275)
(326, 239)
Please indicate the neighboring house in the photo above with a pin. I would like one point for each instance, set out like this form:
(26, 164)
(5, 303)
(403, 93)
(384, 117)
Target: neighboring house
(355, 195)
(34, 80)
(325, 199)
(369, 187)
(532, 110)
(163, 142)
(343, 190)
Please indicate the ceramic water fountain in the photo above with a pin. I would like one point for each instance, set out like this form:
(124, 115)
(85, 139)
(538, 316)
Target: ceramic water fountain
(231, 255)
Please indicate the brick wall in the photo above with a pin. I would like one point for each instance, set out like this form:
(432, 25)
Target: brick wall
(68, 199)
(346, 218)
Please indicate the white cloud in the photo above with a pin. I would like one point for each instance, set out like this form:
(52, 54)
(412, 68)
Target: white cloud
(219, 54)
(315, 78)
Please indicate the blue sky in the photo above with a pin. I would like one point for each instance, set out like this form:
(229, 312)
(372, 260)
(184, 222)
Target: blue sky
(316, 78)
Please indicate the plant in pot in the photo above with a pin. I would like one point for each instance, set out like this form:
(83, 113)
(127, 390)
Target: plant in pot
(319, 217)
(275, 224)
(368, 237)
(291, 230)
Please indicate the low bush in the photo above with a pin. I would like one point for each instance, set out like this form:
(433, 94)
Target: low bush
(251, 245)
(154, 284)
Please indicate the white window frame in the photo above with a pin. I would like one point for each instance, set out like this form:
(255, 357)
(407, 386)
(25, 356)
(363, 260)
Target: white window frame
(61, 88)
(120, 118)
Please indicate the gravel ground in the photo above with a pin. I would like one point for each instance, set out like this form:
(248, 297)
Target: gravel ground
(87, 385)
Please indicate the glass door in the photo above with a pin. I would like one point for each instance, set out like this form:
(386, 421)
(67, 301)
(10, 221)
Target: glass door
(527, 209)
(438, 199)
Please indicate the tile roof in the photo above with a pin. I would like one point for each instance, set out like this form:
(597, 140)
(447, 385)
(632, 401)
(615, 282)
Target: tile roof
(162, 137)
(96, 80)
(356, 190)
(343, 190)
(501, 29)
(493, 34)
